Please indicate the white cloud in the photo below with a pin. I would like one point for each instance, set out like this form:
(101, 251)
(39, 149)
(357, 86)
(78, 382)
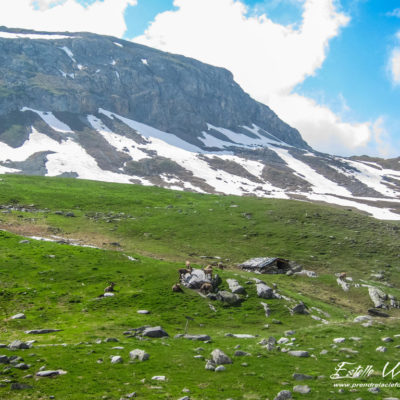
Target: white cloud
(104, 17)
(321, 127)
(267, 59)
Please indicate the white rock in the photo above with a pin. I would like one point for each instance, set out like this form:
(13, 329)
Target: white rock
(138, 354)
(19, 316)
(116, 359)
(362, 318)
(159, 378)
(339, 340)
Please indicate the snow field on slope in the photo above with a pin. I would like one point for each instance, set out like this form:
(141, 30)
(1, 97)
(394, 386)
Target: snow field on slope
(119, 142)
(169, 146)
(372, 177)
(51, 120)
(11, 35)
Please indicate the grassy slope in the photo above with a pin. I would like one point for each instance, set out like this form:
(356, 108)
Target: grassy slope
(59, 292)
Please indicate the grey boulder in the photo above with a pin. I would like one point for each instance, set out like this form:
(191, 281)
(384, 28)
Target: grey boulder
(219, 357)
(155, 332)
(138, 354)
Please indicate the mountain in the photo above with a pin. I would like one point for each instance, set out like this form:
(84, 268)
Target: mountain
(101, 108)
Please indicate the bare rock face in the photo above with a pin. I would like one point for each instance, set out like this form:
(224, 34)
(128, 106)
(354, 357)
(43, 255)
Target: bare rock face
(81, 72)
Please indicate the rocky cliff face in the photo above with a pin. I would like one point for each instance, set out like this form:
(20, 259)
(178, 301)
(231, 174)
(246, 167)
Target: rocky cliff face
(78, 73)
(97, 107)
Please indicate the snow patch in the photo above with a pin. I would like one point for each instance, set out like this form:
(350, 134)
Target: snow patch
(69, 53)
(150, 132)
(144, 61)
(10, 35)
(121, 143)
(51, 120)
(319, 183)
(118, 44)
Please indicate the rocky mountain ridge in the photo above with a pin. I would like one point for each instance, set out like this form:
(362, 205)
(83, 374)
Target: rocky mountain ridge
(97, 107)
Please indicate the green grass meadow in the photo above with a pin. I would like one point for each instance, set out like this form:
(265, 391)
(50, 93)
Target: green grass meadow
(57, 287)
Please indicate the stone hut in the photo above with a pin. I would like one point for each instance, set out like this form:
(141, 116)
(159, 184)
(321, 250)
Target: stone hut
(266, 265)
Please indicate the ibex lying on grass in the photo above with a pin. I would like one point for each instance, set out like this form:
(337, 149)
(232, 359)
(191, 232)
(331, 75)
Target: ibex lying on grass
(109, 288)
(177, 288)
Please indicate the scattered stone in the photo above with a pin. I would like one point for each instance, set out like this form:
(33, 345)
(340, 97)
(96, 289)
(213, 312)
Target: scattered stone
(240, 353)
(387, 339)
(111, 340)
(381, 349)
(201, 338)
(323, 352)
(4, 359)
(42, 331)
(23, 241)
(308, 273)
(271, 343)
(220, 368)
(264, 291)
(228, 297)
(303, 389)
(284, 395)
(49, 374)
(155, 332)
(108, 294)
(290, 333)
(276, 321)
(116, 360)
(184, 398)
(19, 316)
(21, 366)
(234, 286)
(301, 377)
(143, 312)
(266, 309)
(210, 365)
(299, 353)
(161, 378)
(240, 335)
(300, 309)
(283, 340)
(18, 345)
(362, 318)
(339, 340)
(378, 297)
(219, 357)
(138, 354)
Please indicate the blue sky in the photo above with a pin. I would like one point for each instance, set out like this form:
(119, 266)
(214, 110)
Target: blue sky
(330, 68)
